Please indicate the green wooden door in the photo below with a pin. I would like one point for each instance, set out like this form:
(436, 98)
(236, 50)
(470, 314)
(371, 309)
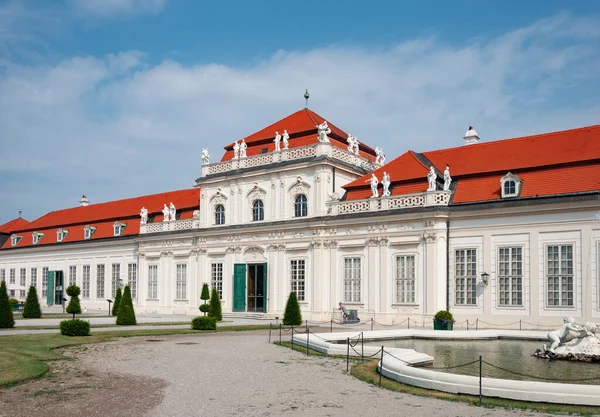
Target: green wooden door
(239, 287)
(265, 288)
(50, 293)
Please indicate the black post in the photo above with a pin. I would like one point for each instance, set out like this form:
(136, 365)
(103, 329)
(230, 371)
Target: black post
(372, 320)
(307, 326)
(307, 334)
(480, 365)
(380, 366)
(362, 347)
(477, 324)
(347, 354)
(279, 333)
(520, 325)
(408, 320)
(109, 312)
(467, 324)
(270, 333)
(292, 337)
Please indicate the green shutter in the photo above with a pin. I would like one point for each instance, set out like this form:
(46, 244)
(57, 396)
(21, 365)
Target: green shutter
(265, 288)
(239, 287)
(50, 293)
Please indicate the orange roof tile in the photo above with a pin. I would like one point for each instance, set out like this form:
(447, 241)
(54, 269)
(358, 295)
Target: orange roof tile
(406, 167)
(14, 224)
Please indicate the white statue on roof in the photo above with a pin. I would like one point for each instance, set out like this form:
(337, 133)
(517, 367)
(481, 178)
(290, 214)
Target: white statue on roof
(447, 178)
(277, 141)
(144, 215)
(165, 212)
(385, 181)
(379, 156)
(243, 148)
(285, 138)
(355, 145)
(205, 157)
(172, 211)
(323, 130)
(431, 178)
(374, 181)
(350, 141)
(236, 150)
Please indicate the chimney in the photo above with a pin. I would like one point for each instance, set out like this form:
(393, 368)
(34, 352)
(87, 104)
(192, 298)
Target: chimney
(84, 201)
(471, 137)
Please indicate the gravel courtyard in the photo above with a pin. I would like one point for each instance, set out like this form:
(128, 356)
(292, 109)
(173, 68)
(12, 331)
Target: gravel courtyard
(216, 374)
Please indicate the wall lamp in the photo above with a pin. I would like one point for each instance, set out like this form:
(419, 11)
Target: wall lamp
(485, 277)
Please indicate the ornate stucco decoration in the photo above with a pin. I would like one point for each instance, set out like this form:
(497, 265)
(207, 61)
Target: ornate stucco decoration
(218, 197)
(429, 237)
(378, 228)
(256, 193)
(299, 187)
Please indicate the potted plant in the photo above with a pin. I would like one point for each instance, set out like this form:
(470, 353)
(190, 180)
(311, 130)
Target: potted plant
(443, 320)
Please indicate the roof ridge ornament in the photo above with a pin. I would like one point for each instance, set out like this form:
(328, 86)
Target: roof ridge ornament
(471, 137)
(306, 97)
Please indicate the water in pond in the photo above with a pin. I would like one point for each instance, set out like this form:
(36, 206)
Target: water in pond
(512, 355)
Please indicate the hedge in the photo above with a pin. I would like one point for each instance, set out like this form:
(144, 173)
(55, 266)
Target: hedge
(75, 327)
(204, 323)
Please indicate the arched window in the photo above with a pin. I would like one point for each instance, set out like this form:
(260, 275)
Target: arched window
(219, 214)
(510, 187)
(300, 206)
(258, 210)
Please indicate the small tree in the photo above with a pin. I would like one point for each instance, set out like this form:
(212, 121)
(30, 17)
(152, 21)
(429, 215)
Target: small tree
(73, 307)
(32, 309)
(292, 315)
(126, 315)
(205, 296)
(215, 306)
(115, 309)
(7, 319)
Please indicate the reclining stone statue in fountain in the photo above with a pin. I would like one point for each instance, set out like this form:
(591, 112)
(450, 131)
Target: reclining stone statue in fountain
(573, 341)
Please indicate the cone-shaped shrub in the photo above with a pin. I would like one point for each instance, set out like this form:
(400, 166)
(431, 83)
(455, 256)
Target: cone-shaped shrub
(7, 319)
(73, 307)
(115, 309)
(214, 307)
(292, 313)
(204, 296)
(32, 309)
(126, 315)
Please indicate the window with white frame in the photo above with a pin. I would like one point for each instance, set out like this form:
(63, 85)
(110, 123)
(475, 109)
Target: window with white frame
(219, 214)
(298, 278)
(88, 231)
(405, 279)
(73, 275)
(258, 210)
(100, 273)
(2, 275)
(118, 228)
(510, 276)
(216, 277)
(12, 277)
(116, 279)
(21, 294)
(181, 281)
(34, 277)
(132, 279)
(85, 283)
(14, 240)
(352, 280)
(300, 206)
(61, 234)
(12, 293)
(465, 272)
(23, 277)
(510, 185)
(559, 276)
(37, 237)
(44, 281)
(153, 281)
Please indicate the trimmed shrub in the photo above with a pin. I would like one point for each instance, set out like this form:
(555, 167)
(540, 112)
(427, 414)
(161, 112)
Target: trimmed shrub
(126, 315)
(204, 323)
(204, 296)
(75, 327)
(12, 301)
(115, 309)
(443, 315)
(7, 320)
(74, 307)
(292, 315)
(214, 307)
(205, 308)
(32, 309)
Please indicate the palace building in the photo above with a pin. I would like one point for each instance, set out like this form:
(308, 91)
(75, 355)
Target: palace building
(501, 231)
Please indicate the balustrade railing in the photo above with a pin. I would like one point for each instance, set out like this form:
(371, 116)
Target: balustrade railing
(169, 226)
(428, 198)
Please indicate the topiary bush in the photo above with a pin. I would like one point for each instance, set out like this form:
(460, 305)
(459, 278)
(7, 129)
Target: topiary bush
(7, 320)
(32, 309)
(118, 296)
(126, 315)
(205, 308)
(204, 323)
(12, 301)
(443, 315)
(205, 295)
(215, 306)
(292, 315)
(75, 327)
(74, 307)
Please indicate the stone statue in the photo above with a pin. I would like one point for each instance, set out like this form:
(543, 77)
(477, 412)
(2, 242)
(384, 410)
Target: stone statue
(572, 340)
(323, 130)
(374, 181)
(236, 150)
(144, 215)
(379, 156)
(205, 157)
(385, 181)
(350, 141)
(355, 145)
(277, 141)
(172, 211)
(243, 148)
(285, 138)
(165, 212)
(431, 177)
(447, 178)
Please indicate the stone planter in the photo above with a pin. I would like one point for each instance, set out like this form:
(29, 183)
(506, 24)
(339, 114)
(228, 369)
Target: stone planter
(442, 324)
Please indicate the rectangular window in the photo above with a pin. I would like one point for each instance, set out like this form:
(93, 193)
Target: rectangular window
(23, 277)
(152, 281)
(12, 293)
(34, 277)
(465, 271)
(100, 270)
(510, 276)
(298, 278)
(12, 276)
(132, 279)
(559, 275)
(181, 293)
(405, 279)
(2, 275)
(45, 281)
(216, 278)
(21, 294)
(73, 275)
(85, 285)
(116, 279)
(352, 280)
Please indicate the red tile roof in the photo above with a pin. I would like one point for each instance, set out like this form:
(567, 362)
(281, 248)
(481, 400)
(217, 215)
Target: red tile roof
(14, 224)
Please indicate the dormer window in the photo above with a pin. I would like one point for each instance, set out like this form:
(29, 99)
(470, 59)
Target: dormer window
(510, 185)
(118, 228)
(88, 231)
(37, 237)
(61, 234)
(14, 240)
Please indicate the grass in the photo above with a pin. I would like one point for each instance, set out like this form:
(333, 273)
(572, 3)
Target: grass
(26, 356)
(96, 326)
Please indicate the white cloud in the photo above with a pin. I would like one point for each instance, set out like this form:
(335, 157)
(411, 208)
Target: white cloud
(105, 8)
(114, 127)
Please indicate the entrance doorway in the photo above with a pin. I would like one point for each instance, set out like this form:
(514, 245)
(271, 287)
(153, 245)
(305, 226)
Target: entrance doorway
(250, 287)
(256, 287)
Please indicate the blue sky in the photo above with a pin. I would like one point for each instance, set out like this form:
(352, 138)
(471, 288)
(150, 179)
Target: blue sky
(116, 98)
